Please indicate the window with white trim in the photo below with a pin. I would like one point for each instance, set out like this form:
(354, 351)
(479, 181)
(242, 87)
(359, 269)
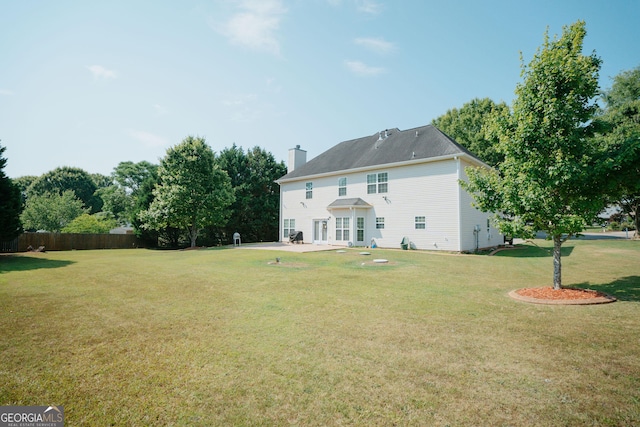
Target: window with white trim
(379, 223)
(383, 178)
(421, 222)
(342, 228)
(309, 189)
(342, 187)
(288, 227)
(377, 183)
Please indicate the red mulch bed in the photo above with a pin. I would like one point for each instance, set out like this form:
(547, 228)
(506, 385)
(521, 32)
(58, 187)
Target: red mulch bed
(548, 293)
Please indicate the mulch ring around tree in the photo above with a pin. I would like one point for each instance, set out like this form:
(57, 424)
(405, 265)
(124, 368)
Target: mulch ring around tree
(564, 296)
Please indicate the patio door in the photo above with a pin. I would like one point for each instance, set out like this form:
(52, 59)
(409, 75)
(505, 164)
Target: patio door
(360, 231)
(320, 231)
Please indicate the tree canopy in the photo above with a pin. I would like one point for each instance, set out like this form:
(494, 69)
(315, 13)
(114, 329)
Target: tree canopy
(93, 224)
(256, 207)
(51, 211)
(66, 178)
(549, 177)
(620, 132)
(193, 191)
(10, 204)
(467, 126)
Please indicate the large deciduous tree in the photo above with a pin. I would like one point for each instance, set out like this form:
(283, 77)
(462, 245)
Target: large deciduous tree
(10, 204)
(66, 178)
(131, 192)
(257, 196)
(193, 191)
(620, 132)
(467, 126)
(51, 211)
(549, 179)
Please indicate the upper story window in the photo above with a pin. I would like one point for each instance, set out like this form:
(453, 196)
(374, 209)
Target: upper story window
(342, 187)
(309, 187)
(377, 183)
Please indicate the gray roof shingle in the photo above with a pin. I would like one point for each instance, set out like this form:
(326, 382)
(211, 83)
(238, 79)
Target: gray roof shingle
(399, 146)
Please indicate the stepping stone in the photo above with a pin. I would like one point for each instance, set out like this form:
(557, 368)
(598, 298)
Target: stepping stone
(365, 253)
(380, 260)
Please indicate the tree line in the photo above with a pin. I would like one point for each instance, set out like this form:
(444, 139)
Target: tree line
(192, 197)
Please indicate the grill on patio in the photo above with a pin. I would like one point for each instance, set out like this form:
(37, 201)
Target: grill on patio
(295, 237)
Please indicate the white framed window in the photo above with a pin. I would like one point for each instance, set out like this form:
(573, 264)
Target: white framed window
(420, 223)
(372, 179)
(360, 229)
(379, 222)
(383, 185)
(309, 190)
(377, 183)
(342, 187)
(288, 227)
(342, 228)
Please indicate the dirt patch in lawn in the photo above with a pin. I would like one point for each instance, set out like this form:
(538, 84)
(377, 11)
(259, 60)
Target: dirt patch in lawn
(568, 296)
(288, 264)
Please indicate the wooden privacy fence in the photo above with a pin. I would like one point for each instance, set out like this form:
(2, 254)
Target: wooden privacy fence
(71, 241)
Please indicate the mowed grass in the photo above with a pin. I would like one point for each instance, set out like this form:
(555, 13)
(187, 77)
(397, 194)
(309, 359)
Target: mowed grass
(225, 337)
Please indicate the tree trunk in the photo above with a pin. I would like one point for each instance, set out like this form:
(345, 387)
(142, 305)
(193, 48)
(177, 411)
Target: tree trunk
(636, 220)
(193, 231)
(557, 262)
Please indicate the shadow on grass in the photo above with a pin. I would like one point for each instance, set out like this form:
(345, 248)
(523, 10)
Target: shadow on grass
(624, 289)
(21, 263)
(532, 251)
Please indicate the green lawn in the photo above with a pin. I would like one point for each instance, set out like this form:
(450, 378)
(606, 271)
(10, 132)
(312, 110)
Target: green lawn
(223, 337)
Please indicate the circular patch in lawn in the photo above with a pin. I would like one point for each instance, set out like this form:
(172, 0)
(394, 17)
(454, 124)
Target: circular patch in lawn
(564, 296)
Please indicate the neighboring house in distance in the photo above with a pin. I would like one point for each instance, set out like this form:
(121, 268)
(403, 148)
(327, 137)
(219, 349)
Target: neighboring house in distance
(379, 189)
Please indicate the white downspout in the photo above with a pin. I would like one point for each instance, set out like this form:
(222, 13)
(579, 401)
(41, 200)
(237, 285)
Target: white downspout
(458, 202)
(280, 222)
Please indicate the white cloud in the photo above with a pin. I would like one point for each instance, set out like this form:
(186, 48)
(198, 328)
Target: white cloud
(362, 69)
(99, 72)
(148, 139)
(375, 44)
(368, 6)
(5, 92)
(256, 25)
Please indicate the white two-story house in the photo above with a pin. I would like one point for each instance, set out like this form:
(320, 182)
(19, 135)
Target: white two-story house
(381, 190)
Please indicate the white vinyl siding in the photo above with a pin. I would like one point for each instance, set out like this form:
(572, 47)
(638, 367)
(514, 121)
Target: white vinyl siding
(428, 189)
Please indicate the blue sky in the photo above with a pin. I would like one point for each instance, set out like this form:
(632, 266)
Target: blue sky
(93, 83)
